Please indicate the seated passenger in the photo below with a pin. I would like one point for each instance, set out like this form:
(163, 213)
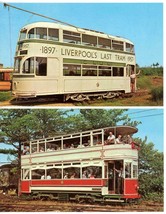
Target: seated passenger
(42, 177)
(66, 176)
(48, 177)
(110, 139)
(26, 150)
(41, 149)
(84, 175)
(118, 139)
(73, 175)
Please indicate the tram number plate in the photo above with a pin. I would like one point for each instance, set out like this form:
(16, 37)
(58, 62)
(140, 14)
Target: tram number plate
(48, 50)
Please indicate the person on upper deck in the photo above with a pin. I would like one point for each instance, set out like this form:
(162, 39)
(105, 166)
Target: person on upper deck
(118, 139)
(111, 138)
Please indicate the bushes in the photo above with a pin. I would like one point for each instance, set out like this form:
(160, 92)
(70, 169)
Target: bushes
(157, 93)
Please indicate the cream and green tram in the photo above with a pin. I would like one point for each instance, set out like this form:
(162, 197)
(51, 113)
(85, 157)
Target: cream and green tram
(77, 63)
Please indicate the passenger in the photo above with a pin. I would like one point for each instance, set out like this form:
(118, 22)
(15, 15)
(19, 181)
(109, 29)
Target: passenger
(42, 177)
(26, 150)
(41, 149)
(132, 80)
(48, 177)
(66, 176)
(72, 146)
(91, 176)
(84, 175)
(73, 175)
(111, 138)
(118, 139)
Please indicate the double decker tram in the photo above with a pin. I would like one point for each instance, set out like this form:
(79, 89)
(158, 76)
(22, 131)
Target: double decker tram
(82, 166)
(76, 63)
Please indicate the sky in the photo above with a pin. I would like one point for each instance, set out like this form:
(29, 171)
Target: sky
(141, 23)
(151, 126)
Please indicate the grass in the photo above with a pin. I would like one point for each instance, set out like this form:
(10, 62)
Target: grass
(4, 96)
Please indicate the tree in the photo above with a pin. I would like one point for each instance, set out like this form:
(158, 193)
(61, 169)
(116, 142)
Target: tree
(151, 176)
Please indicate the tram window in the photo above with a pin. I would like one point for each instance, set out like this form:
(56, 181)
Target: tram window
(92, 172)
(31, 33)
(127, 170)
(129, 47)
(17, 66)
(97, 139)
(89, 70)
(104, 43)
(28, 66)
(41, 66)
(33, 148)
(53, 34)
(135, 171)
(25, 174)
(41, 147)
(89, 40)
(71, 37)
(71, 70)
(104, 71)
(118, 71)
(23, 34)
(117, 45)
(38, 174)
(54, 173)
(71, 173)
(41, 33)
(1, 76)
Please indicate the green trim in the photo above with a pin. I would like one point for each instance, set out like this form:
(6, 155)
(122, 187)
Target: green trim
(92, 62)
(72, 45)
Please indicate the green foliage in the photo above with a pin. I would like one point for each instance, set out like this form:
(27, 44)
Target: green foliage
(151, 173)
(155, 71)
(144, 82)
(5, 96)
(157, 94)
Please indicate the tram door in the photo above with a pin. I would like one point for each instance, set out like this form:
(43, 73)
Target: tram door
(111, 177)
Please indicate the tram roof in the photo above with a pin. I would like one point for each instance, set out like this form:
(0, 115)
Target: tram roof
(76, 29)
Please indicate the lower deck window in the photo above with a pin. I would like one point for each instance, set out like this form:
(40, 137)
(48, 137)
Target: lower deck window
(41, 66)
(28, 66)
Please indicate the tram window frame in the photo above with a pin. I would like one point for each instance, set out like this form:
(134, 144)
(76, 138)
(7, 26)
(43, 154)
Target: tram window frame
(31, 35)
(1, 76)
(23, 34)
(117, 45)
(71, 70)
(71, 37)
(128, 171)
(129, 47)
(53, 34)
(105, 70)
(96, 171)
(41, 33)
(104, 43)
(118, 71)
(41, 68)
(89, 40)
(135, 171)
(89, 70)
(17, 65)
(28, 66)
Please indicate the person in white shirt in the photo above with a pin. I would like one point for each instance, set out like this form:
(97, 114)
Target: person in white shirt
(111, 138)
(118, 139)
(133, 79)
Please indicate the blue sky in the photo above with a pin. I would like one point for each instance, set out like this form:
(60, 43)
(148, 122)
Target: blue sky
(142, 23)
(152, 126)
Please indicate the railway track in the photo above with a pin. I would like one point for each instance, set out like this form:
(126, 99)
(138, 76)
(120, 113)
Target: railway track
(46, 206)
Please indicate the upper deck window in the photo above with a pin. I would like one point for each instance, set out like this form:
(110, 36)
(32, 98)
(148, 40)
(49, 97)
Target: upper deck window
(53, 34)
(31, 34)
(23, 34)
(89, 40)
(129, 47)
(71, 37)
(104, 43)
(117, 45)
(41, 33)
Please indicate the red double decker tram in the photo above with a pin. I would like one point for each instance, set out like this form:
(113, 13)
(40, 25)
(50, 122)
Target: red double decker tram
(96, 165)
